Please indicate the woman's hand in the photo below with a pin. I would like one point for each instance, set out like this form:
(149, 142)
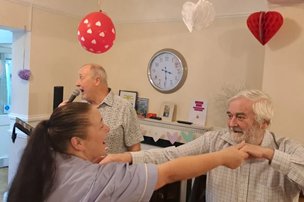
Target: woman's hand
(122, 157)
(234, 156)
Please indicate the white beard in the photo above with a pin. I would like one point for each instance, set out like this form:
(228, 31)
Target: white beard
(251, 136)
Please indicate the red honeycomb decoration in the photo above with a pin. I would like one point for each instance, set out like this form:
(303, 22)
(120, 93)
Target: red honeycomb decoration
(264, 25)
(285, 1)
(96, 32)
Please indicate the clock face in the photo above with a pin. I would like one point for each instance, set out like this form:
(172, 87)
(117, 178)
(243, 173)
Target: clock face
(167, 70)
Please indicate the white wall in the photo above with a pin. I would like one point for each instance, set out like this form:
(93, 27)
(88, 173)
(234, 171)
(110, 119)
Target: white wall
(284, 73)
(224, 56)
(8, 12)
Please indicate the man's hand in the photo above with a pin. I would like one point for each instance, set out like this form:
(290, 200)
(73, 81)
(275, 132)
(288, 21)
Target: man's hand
(63, 103)
(256, 151)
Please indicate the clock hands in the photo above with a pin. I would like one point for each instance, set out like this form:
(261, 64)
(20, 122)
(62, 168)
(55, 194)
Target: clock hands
(166, 72)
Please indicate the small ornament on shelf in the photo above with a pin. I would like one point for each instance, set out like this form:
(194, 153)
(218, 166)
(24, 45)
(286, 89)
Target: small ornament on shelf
(142, 107)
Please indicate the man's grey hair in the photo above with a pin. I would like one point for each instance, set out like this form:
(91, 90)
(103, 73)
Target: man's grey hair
(262, 106)
(99, 71)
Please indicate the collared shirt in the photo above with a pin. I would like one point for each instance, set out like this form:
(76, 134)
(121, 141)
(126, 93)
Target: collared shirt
(121, 117)
(256, 180)
(80, 180)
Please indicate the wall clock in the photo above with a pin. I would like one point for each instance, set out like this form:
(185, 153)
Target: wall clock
(167, 70)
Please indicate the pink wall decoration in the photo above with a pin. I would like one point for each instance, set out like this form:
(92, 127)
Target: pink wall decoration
(173, 137)
(264, 25)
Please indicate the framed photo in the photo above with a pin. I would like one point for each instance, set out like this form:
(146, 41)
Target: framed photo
(142, 106)
(131, 96)
(166, 111)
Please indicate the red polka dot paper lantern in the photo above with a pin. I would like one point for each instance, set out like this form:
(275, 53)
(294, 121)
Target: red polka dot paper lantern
(96, 32)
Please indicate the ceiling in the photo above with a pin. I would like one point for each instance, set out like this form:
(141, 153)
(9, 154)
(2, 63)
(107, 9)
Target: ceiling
(145, 10)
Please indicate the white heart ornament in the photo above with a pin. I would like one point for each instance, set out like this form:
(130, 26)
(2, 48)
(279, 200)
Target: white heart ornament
(199, 15)
(188, 9)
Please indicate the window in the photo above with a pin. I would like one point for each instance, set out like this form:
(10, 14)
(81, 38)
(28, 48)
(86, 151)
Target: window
(5, 83)
(5, 70)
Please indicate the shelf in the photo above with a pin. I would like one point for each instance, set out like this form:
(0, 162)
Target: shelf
(172, 131)
(174, 125)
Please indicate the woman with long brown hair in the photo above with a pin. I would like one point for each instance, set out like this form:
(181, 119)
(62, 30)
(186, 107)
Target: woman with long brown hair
(59, 163)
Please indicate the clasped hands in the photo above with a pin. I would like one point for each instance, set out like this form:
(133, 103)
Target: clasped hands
(232, 156)
(245, 151)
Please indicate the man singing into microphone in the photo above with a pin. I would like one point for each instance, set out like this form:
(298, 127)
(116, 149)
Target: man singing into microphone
(117, 112)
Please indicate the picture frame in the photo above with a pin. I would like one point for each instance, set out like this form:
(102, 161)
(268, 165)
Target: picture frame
(130, 96)
(167, 111)
(142, 106)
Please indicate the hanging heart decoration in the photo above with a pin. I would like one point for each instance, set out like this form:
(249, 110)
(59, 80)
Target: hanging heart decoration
(197, 16)
(264, 25)
(25, 74)
(285, 1)
(96, 32)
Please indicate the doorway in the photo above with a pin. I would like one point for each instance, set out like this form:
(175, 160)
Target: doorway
(6, 38)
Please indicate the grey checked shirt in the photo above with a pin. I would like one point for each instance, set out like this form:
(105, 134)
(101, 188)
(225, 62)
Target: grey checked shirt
(256, 180)
(121, 117)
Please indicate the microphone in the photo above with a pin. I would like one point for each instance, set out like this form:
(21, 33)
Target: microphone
(75, 93)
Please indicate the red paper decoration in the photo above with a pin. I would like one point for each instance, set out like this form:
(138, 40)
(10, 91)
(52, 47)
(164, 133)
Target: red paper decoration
(264, 25)
(285, 1)
(96, 32)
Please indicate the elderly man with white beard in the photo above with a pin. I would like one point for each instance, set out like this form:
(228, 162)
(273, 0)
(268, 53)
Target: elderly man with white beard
(275, 171)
